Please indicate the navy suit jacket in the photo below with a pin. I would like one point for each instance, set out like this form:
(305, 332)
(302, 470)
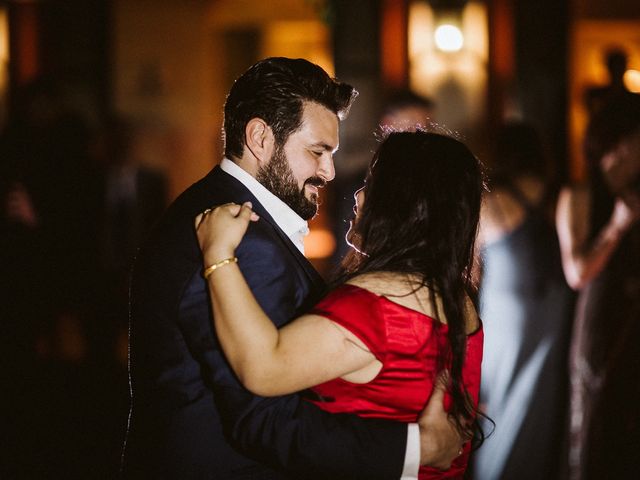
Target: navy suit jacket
(190, 417)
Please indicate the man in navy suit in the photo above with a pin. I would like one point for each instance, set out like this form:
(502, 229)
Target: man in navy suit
(190, 417)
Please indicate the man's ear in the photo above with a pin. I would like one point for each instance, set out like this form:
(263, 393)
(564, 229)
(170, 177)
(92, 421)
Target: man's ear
(259, 140)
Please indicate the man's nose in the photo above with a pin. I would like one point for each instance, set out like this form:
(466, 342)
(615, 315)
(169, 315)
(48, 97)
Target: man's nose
(326, 168)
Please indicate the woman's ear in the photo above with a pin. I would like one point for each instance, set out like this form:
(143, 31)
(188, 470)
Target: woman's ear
(259, 140)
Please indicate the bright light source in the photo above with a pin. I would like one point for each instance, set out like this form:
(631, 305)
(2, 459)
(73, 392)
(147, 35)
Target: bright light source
(449, 38)
(632, 80)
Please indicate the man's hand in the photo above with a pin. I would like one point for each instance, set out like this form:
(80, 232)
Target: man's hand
(440, 441)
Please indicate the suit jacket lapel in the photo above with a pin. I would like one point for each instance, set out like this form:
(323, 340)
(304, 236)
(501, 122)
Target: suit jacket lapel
(242, 194)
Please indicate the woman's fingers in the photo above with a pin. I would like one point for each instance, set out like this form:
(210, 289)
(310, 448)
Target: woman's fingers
(247, 213)
(243, 211)
(232, 208)
(220, 230)
(198, 220)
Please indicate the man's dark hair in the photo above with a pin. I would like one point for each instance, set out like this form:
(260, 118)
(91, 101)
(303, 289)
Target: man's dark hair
(275, 89)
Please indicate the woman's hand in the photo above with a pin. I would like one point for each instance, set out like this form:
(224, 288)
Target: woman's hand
(621, 165)
(220, 230)
(626, 212)
(19, 207)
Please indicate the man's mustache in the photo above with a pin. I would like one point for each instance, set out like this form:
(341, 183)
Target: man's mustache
(316, 182)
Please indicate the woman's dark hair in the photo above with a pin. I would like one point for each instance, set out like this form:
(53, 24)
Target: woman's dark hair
(420, 217)
(275, 89)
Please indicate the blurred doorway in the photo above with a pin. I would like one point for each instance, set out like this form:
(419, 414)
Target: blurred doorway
(590, 42)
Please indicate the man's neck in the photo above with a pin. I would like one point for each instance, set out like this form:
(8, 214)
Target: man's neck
(248, 165)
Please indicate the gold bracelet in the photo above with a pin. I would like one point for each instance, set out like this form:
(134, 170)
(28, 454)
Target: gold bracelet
(211, 268)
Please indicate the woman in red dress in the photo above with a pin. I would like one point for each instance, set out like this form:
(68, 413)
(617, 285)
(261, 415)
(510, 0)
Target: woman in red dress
(402, 314)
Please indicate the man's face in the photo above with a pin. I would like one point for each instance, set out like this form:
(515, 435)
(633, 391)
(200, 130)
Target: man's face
(297, 170)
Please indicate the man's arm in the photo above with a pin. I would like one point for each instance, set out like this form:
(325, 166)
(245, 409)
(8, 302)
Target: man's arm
(288, 432)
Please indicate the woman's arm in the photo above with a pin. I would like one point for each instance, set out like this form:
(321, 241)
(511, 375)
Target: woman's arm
(309, 351)
(583, 260)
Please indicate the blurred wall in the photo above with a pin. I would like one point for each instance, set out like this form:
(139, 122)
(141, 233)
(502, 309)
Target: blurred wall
(173, 62)
(162, 66)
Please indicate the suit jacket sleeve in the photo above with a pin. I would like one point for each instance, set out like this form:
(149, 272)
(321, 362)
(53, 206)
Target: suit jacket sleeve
(287, 432)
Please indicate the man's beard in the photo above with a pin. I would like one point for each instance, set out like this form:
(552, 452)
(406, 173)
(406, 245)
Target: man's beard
(278, 178)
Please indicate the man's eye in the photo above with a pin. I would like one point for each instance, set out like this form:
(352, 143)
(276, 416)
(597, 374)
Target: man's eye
(317, 154)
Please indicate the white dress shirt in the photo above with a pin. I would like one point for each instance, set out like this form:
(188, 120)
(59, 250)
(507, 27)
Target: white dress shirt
(296, 228)
(289, 221)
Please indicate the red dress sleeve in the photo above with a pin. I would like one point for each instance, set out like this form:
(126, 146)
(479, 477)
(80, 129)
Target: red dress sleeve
(358, 311)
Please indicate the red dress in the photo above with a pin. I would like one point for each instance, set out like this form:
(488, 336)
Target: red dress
(407, 343)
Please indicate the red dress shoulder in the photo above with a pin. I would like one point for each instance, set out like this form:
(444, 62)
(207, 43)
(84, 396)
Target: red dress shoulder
(407, 343)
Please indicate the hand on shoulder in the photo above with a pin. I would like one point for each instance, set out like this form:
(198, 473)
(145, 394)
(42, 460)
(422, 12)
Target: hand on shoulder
(220, 230)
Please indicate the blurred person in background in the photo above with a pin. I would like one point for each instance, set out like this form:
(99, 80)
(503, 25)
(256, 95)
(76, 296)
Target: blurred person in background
(615, 60)
(48, 190)
(48, 258)
(133, 197)
(405, 109)
(21, 254)
(525, 306)
(25, 316)
(190, 416)
(599, 237)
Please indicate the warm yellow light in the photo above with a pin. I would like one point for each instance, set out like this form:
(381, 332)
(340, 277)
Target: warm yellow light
(308, 39)
(475, 29)
(4, 35)
(421, 28)
(632, 80)
(456, 80)
(449, 38)
(320, 243)
(4, 63)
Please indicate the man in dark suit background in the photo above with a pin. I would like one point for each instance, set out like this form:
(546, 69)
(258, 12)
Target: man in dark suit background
(190, 416)
(132, 198)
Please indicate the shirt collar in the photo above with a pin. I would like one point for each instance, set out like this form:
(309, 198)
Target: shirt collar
(289, 221)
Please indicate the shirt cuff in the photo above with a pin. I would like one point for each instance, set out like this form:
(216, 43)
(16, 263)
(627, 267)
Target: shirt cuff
(412, 455)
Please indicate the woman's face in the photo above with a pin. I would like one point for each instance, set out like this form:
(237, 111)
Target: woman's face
(353, 238)
(621, 165)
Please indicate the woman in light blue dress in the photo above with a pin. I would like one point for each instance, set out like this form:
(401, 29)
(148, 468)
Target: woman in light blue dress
(525, 306)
